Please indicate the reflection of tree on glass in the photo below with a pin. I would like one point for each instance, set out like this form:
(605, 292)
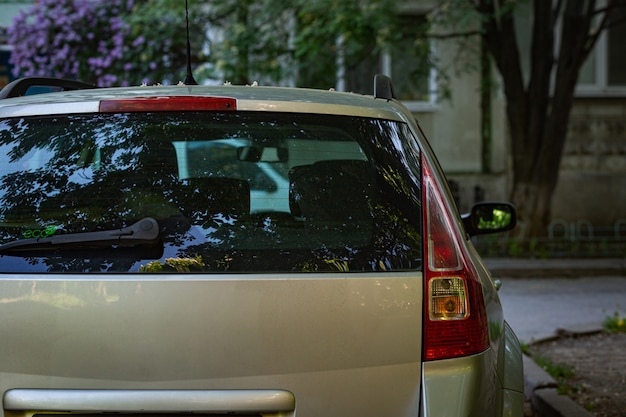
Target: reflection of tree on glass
(239, 191)
(498, 218)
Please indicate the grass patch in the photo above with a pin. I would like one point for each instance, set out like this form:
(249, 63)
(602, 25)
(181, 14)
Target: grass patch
(561, 372)
(556, 370)
(525, 348)
(615, 324)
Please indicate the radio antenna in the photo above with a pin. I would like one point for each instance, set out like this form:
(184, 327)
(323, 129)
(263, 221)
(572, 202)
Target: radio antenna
(189, 80)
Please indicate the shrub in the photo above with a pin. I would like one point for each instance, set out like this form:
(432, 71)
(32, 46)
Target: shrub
(78, 39)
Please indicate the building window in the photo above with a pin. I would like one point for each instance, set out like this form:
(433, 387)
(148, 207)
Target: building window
(604, 72)
(407, 60)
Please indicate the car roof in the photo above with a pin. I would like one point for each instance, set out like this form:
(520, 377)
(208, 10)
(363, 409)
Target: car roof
(249, 98)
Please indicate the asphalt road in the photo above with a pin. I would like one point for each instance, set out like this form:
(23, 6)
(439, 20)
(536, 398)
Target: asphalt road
(537, 307)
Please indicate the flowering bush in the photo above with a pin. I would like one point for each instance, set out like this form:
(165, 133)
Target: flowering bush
(130, 42)
(82, 39)
(105, 42)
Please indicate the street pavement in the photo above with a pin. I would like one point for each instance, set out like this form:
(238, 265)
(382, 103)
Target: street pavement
(541, 297)
(536, 308)
(545, 298)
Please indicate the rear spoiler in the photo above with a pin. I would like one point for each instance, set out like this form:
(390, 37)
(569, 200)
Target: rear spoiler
(21, 87)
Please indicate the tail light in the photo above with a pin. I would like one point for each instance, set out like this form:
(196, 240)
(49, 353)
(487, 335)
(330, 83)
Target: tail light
(167, 103)
(455, 320)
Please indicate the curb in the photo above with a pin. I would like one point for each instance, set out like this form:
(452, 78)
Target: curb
(540, 389)
(550, 403)
(555, 267)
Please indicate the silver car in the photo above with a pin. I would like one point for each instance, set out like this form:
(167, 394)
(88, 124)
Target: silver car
(141, 275)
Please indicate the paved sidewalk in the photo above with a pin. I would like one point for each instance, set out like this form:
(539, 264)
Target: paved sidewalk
(556, 267)
(543, 298)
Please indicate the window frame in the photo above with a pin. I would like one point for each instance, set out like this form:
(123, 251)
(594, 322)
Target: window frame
(385, 67)
(598, 59)
(416, 105)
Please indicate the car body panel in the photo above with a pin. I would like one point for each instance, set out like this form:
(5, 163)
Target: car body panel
(470, 378)
(248, 99)
(359, 333)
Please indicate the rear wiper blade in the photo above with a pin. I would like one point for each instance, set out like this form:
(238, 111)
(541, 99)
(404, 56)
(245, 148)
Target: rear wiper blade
(144, 232)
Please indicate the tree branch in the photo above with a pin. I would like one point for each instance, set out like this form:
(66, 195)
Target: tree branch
(607, 21)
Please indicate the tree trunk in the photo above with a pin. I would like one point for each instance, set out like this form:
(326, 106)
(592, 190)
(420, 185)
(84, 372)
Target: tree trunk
(538, 114)
(532, 204)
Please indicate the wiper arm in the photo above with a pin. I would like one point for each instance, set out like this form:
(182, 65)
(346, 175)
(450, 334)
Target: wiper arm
(144, 232)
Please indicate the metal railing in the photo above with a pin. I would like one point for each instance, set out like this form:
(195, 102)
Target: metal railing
(579, 238)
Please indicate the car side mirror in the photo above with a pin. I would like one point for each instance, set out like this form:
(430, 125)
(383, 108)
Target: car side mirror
(489, 217)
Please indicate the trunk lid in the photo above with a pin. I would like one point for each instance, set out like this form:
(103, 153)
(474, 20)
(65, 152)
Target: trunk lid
(354, 337)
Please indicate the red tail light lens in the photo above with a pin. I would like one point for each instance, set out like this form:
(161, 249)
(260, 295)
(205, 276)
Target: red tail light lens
(455, 321)
(167, 103)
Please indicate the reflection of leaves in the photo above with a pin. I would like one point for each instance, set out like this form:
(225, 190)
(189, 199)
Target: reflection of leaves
(496, 219)
(338, 264)
(86, 263)
(134, 175)
(59, 186)
(174, 265)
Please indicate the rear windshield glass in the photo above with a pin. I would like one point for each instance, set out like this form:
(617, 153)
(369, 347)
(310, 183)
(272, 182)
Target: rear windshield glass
(208, 192)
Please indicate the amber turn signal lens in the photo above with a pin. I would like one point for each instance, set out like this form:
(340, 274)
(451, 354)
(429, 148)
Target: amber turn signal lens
(447, 297)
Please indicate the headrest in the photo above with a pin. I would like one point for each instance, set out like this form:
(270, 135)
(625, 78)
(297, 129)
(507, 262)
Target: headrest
(333, 190)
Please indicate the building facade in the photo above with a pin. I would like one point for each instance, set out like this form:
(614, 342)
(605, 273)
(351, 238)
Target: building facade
(591, 195)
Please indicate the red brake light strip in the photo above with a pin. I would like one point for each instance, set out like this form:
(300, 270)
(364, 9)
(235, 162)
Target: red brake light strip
(168, 103)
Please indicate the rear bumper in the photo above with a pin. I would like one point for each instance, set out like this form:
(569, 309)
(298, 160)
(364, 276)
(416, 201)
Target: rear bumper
(464, 386)
(511, 403)
(467, 386)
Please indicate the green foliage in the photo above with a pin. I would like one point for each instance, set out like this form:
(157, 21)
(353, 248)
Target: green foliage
(250, 39)
(503, 245)
(561, 372)
(174, 265)
(556, 370)
(525, 348)
(241, 41)
(615, 323)
(499, 218)
(157, 52)
(363, 28)
(272, 40)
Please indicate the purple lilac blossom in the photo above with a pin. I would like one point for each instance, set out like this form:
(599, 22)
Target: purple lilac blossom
(72, 39)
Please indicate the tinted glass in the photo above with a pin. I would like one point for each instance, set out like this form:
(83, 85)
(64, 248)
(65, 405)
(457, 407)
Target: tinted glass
(231, 192)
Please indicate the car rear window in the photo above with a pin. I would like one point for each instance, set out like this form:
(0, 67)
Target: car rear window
(230, 192)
